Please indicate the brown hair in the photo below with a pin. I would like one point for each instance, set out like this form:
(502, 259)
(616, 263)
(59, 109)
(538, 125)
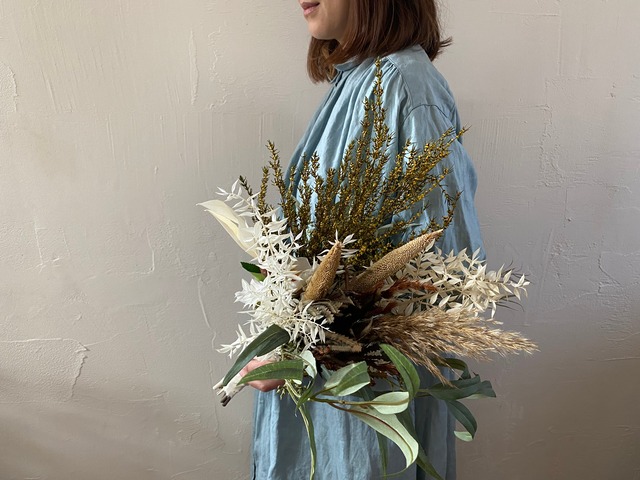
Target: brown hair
(377, 28)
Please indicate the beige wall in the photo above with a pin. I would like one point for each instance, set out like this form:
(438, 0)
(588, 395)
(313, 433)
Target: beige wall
(117, 117)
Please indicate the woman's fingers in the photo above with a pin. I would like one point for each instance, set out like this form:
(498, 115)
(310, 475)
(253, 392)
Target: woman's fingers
(262, 385)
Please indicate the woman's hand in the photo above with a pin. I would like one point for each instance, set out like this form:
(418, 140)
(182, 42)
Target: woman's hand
(262, 385)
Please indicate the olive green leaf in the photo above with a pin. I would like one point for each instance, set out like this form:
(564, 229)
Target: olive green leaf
(267, 341)
(283, 370)
(465, 388)
(310, 364)
(254, 270)
(465, 417)
(423, 460)
(464, 436)
(390, 427)
(392, 402)
(367, 394)
(406, 369)
(306, 418)
(457, 364)
(347, 380)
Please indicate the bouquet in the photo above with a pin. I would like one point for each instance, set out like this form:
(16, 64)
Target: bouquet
(338, 304)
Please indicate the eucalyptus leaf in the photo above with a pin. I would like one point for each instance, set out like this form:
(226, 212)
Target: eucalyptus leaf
(423, 460)
(283, 370)
(425, 464)
(464, 436)
(311, 369)
(367, 394)
(308, 423)
(347, 380)
(466, 382)
(485, 390)
(390, 427)
(392, 402)
(464, 416)
(306, 394)
(460, 389)
(388, 403)
(406, 369)
(384, 453)
(457, 364)
(310, 366)
(254, 270)
(267, 341)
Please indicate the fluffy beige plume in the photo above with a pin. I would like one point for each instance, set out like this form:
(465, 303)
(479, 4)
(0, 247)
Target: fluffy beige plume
(322, 279)
(426, 336)
(393, 261)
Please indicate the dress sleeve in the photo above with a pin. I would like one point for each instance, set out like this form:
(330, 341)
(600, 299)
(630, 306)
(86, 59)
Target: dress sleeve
(426, 123)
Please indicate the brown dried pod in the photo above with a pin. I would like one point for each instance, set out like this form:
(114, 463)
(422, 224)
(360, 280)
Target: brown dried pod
(393, 261)
(322, 279)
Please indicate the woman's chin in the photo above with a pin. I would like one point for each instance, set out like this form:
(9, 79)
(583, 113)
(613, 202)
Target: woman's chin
(320, 36)
(320, 33)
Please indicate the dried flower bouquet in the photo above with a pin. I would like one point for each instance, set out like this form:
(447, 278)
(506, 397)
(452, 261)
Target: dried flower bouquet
(337, 305)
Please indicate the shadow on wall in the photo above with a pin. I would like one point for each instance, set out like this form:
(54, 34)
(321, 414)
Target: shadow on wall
(106, 439)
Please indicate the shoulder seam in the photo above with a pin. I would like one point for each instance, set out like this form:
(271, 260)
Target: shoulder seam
(398, 72)
(410, 112)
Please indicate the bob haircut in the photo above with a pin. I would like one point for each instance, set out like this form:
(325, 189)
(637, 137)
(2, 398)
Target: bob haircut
(377, 28)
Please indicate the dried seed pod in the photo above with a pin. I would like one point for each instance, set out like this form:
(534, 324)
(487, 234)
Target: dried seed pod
(393, 261)
(322, 279)
(341, 343)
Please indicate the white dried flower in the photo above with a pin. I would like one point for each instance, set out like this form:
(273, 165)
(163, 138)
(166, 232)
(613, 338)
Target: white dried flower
(452, 282)
(272, 301)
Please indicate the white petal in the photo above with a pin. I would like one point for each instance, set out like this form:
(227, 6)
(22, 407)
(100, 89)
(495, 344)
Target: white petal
(235, 225)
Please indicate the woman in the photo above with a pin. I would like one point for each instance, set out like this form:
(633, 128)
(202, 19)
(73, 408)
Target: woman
(347, 37)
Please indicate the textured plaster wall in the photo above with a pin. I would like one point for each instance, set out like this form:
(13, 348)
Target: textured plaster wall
(117, 117)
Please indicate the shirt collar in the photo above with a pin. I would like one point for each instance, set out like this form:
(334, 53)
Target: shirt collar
(346, 66)
(343, 68)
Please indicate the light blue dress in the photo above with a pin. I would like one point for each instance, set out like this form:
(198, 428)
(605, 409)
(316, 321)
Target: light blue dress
(420, 107)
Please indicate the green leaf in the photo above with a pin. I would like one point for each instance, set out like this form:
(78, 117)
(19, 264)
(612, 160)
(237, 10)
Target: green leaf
(384, 453)
(366, 393)
(466, 388)
(388, 403)
(485, 390)
(464, 416)
(267, 341)
(423, 460)
(347, 380)
(425, 464)
(457, 364)
(392, 402)
(467, 382)
(406, 369)
(311, 366)
(254, 270)
(308, 423)
(306, 394)
(283, 370)
(464, 436)
(392, 428)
